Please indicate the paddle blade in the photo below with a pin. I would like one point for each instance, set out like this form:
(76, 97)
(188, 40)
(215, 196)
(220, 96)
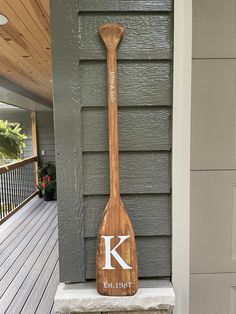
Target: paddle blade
(116, 262)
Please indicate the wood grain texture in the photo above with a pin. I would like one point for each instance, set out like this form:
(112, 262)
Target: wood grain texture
(154, 220)
(25, 46)
(133, 132)
(114, 278)
(68, 152)
(140, 172)
(146, 36)
(124, 5)
(141, 83)
(22, 93)
(153, 256)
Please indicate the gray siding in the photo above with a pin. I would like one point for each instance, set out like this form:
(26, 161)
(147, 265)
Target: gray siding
(45, 129)
(80, 104)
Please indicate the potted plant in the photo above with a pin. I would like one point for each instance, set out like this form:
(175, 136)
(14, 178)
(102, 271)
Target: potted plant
(48, 187)
(47, 181)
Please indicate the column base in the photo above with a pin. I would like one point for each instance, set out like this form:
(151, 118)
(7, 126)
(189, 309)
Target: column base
(153, 297)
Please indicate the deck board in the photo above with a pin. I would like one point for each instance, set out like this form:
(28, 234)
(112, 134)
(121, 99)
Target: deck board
(46, 301)
(29, 272)
(11, 253)
(18, 239)
(27, 260)
(16, 220)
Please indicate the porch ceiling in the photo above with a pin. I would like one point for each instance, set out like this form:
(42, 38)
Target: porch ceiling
(25, 46)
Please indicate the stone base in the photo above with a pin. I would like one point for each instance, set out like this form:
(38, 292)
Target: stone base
(141, 312)
(153, 297)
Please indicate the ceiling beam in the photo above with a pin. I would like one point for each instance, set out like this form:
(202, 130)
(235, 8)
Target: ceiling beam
(6, 85)
(17, 100)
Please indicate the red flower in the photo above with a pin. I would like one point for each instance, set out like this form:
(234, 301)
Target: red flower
(36, 186)
(49, 178)
(44, 185)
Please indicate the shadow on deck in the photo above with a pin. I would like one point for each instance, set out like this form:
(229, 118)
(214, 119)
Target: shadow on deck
(29, 272)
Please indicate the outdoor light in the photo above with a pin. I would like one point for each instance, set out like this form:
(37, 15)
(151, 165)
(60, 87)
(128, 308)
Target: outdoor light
(3, 19)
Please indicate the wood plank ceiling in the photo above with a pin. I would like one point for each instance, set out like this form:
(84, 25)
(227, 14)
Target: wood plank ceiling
(25, 45)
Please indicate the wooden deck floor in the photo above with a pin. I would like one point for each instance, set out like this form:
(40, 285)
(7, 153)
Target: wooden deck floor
(29, 272)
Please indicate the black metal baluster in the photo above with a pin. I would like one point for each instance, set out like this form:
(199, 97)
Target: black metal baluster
(14, 187)
(33, 178)
(24, 180)
(16, 179)
(28, 180)
(2, 196)
(22, 183)
(5, 194)
(1, 207)
(19, 184)
(10, 190)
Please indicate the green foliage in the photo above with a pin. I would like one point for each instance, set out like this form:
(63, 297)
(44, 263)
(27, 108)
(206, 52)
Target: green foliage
(11, 140)
(47, 177)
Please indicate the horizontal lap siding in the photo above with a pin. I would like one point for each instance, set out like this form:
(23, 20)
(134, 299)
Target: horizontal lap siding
(46, 141)
(126, 5)
(145, 99)
(140, 172)
(141, 83)
(145, 110)
(153, 256)
(154, 220)
(137, 129)
(146, 36)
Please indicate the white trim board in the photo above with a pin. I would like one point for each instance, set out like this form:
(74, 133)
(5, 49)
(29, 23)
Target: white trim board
(181, 153)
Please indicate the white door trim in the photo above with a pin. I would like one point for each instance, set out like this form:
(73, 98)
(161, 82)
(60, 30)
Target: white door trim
(181, 153)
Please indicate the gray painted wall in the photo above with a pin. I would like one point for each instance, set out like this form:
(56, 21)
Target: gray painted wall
(46, 141)
(80, 108)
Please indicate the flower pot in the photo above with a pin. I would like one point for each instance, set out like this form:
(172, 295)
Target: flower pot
(48, 196)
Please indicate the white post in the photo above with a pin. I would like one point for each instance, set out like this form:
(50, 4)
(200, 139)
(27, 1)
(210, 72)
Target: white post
(181, 153)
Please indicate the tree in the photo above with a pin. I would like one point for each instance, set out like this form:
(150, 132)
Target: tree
(11, 140)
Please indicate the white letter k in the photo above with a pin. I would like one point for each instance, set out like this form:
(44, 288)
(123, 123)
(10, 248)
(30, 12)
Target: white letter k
(108, 252)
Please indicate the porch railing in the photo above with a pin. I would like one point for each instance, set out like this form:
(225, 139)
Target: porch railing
(17, 186)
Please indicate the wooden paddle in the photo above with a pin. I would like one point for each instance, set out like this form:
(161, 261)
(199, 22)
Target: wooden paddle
(116, 262)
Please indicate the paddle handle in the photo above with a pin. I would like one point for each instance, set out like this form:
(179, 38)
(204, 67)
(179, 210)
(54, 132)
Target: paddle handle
(111, 35)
